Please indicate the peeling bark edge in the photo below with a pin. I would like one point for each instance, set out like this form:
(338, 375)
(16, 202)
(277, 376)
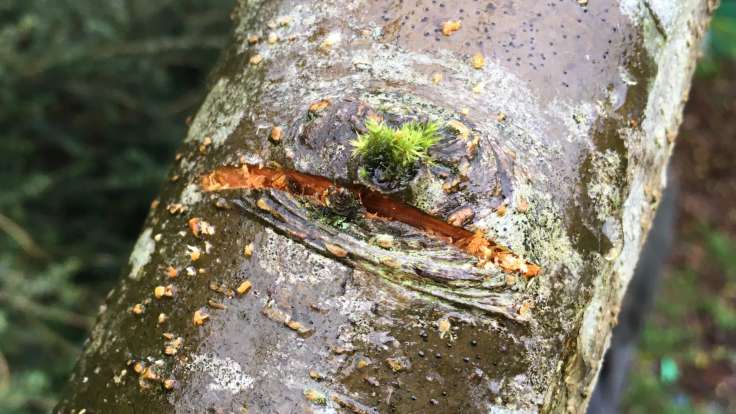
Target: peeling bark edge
(675, 48)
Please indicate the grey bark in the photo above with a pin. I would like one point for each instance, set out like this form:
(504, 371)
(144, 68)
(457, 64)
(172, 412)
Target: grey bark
(571, 120)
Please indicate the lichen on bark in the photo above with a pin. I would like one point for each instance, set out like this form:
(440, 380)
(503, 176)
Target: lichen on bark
(553, 144)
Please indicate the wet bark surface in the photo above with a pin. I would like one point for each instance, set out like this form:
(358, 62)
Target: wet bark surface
(556, 122)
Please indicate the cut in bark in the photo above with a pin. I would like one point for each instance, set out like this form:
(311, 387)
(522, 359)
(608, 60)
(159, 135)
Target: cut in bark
(281, 273)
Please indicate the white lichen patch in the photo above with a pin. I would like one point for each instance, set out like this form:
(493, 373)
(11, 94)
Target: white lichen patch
(635, 207)
(604, 188)
(498, 409)
(225, 374)
(595, 316)
(429, 194)
(292, 262)
(220, 113)
(190, 195)
(578, 118)
(633, 9)
(142, 251)
(508, 229)
(648, 153)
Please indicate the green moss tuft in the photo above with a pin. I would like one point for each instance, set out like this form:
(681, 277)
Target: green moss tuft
(403, 147)
(391, 155)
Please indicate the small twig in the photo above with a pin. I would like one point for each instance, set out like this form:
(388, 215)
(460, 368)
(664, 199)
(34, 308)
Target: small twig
(139, 48)
(4, 372)
(44, 312)
(24, 240)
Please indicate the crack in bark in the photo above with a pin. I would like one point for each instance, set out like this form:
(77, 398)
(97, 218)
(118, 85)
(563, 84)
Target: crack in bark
(377, 205)
(656, 20)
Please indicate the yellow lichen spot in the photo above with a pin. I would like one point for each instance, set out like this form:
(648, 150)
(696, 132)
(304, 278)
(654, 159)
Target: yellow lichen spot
(276, 133)
(501, 210)
(451, 26)
(396, 364)
(500, 117)
(138, 309)
(244, 287)
(200, 227)
(465, 111)
(297, 326)
(263, 204)
(385, 240)
(460, 128)
(158, 292)
(336, 250)
(248, 250)
(444, 326)
(150, 374)
(200, 317)
(525, 307)
(171, 272)
(169, 384)
(256, 59)
(436, 78)
(194, 253)
(163, 291)
(315, 396)
(478, 88)
(362, 363)
(316, 375)
(273, 38)
(253, 39)
(478, 61)
(162, 318)
(138, 367)
(206, 142)
(390, 262)
(176, 208)
(173, 345)
(319, 106)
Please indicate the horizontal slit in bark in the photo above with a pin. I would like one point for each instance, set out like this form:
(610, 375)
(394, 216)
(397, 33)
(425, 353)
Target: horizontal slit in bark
(254, 177)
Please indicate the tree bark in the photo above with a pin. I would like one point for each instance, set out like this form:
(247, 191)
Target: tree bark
(273, 276)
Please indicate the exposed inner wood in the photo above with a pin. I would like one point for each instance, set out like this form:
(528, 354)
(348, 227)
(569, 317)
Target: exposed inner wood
(376, 204)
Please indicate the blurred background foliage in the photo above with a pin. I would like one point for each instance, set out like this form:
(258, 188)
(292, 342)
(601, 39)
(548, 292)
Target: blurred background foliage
(93, 98)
